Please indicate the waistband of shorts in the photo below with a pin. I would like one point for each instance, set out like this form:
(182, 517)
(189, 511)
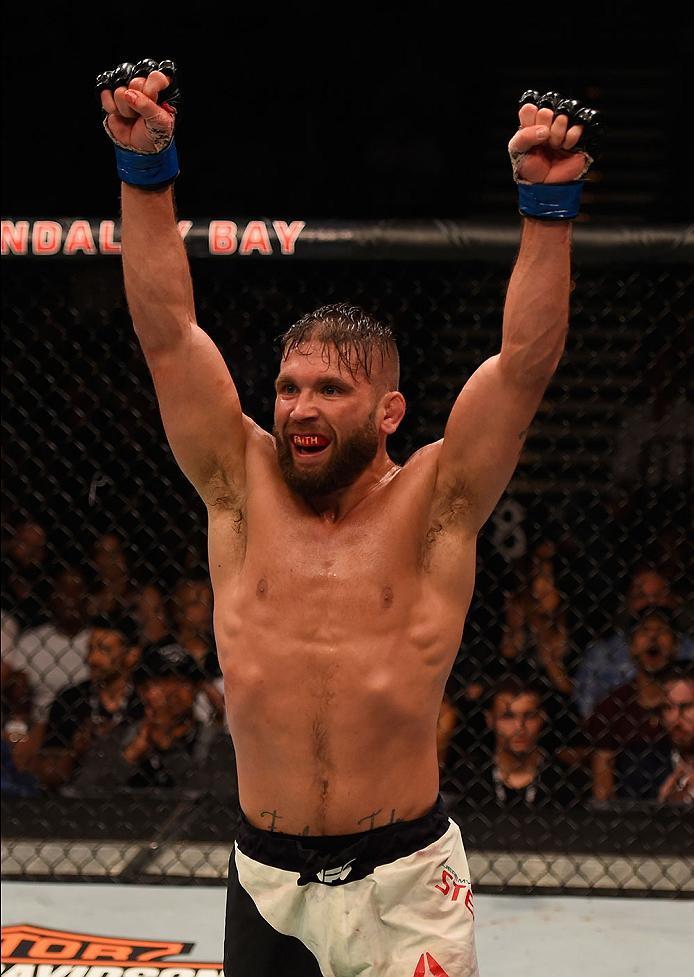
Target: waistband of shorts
(376, 847)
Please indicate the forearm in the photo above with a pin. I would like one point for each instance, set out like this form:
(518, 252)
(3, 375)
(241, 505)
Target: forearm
(536, 311)
(158, 286)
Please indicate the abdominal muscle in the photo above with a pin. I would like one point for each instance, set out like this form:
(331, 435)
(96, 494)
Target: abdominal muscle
(333, 715)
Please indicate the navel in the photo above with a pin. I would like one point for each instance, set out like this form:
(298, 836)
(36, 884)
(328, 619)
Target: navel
(261, 589)
(387, 596)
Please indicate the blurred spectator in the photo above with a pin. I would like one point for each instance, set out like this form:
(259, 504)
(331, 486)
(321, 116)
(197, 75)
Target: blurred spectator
(537, 647)
(461, 733)
(149, 611)
(84, 717)
(607, 663)
(536, 620)
(25, 574)
(15, 780)
(631, 750)
(479, 649)
(14, 686)
(54, 654)
(168, 748)
(678, 720)
(16, 694)
(521, 773)
(192, 613)
(9, 631)
(18, 746)
(112, 590)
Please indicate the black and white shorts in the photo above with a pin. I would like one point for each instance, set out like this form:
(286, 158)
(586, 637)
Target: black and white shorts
(392, 902)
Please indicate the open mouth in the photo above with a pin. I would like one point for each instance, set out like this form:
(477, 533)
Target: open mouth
(309, 444)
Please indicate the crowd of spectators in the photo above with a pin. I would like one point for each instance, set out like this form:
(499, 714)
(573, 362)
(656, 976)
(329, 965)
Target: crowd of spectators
(112, 684)
(107, 684)
(548, 720)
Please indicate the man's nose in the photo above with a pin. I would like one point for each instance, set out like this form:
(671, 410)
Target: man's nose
(304, 406)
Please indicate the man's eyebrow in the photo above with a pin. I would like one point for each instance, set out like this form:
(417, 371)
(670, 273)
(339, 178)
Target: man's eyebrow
(335, 379)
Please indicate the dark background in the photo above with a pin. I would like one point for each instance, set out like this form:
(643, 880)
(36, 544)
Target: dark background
(329, 110)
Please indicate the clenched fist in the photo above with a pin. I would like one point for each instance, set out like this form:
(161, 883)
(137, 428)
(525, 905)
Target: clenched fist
(549, 146)
(138, 99)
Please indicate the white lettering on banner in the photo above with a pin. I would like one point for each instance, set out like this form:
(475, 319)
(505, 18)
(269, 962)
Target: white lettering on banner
(255, 238)
(221, 236)
(62, 970)
(48, 237)
(79, 238)
(288, 234)
(107, 238)
(15, 237)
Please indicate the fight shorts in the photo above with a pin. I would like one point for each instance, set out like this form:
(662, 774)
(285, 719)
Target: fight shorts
(391, 902)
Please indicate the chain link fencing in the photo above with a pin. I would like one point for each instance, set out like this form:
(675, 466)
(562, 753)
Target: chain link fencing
(575, 662)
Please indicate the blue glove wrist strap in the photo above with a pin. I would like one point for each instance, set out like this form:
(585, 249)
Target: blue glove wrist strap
(148, 171)
(550, 201)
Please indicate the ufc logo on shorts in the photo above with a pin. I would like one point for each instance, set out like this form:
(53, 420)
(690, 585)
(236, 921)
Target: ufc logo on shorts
(449, 884)
(338, 874)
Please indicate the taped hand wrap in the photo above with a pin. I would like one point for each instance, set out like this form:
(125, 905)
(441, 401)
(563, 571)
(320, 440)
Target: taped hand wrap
(146, 170)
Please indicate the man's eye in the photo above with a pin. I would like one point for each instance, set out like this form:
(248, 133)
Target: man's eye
(330, 389)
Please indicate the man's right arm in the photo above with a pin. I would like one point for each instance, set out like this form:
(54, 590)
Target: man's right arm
(198, 401)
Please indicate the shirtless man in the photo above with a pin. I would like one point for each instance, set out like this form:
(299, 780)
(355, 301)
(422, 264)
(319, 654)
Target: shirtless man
(341, 579)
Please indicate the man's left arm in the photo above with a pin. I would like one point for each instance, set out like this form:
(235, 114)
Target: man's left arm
(489, 422)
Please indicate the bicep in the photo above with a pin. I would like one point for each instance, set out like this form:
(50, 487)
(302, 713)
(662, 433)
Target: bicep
(484, 436)
(200, 409)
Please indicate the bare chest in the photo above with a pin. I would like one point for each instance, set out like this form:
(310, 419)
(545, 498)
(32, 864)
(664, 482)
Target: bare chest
(367, 565)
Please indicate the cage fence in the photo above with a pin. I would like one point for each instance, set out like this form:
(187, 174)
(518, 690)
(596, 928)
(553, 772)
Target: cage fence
(585, 562)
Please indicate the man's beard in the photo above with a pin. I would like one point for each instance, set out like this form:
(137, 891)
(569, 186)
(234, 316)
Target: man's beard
(346, 463)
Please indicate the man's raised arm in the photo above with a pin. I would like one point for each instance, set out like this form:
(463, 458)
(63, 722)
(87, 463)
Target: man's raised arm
(198, 400)
(490, 419)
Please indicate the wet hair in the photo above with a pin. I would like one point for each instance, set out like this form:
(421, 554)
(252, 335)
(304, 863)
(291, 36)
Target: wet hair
(356, 335)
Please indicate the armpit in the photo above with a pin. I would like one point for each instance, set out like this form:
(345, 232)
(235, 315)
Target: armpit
(223, 496)
(450, 512)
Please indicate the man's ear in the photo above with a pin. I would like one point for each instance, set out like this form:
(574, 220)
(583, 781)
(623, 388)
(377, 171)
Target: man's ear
(393, 406)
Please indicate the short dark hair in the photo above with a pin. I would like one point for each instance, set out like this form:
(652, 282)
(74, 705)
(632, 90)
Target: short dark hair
(355, 334)
(652, 610)
(161, 661)
(677, 672)
(514, 686)
(125, 626)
